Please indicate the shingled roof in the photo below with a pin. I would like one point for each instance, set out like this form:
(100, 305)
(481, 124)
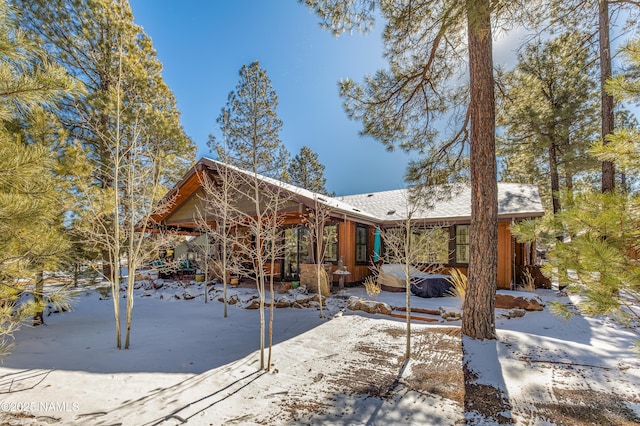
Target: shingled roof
(386, 207)
(514, 201)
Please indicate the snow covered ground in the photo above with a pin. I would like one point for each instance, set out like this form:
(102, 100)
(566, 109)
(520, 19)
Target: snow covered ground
(189, 364)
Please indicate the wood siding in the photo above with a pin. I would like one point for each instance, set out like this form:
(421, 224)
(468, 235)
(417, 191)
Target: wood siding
(505, 256)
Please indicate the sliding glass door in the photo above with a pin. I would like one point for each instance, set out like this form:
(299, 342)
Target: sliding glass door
(296, 251)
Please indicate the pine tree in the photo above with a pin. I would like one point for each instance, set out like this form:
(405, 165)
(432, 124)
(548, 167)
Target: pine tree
(549, 117)
(31, 231)
(595, 17)
(251, 130)
(402, 105)
(127, 121)
(601, 248)
(306, 171)
(85, 36)
(251, 125)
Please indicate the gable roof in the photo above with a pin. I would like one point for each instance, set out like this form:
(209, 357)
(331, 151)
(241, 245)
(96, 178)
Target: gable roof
(386, 207)
(300, 194)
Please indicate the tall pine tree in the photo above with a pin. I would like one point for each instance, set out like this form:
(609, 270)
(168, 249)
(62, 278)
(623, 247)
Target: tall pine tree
(31, 188)
(603, 229)
(306, 171)
(251, 130)
(251, 125)
(549, 117)
(86, 37)
(425, 46)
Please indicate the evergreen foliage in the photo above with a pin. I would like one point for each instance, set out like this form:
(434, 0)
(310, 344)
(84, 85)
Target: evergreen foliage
(31, 185)
(306, 171)
(597, 18)
(548, 110)
(99, 44)
(601, 247)
(251, 125)
(425, 45)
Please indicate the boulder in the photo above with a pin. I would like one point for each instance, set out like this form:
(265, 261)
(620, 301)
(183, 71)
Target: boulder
(511, 301)
(253, 304)
(309, 278)
(515, 313)
(307, 300)
(230, 300)
(283, 302)
(369, 306)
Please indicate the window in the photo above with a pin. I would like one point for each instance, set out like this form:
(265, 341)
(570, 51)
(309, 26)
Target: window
(296, 251)
(361, 244)
(431, 245)
(462, 244)
(331, 243)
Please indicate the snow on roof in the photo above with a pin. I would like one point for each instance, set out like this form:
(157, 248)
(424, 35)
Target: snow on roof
(333, 203)
(513, 200)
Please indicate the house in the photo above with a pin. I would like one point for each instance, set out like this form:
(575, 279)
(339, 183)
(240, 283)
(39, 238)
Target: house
(355, 218)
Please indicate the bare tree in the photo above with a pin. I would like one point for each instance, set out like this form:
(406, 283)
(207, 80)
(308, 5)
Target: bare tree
(251, 128)
(117, 218)
(246, 208)
(316, 220)
(275, 251)
(265, 196)
(219, 195)
(409, 244)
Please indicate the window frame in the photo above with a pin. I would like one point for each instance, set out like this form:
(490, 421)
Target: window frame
(457, 244)
(361, 244)
(327, 244)
(446, 248)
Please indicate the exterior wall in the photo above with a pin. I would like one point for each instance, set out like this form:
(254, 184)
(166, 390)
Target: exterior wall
(347, 250)
(505, 256)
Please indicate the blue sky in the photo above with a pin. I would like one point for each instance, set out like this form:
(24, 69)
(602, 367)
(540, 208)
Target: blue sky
(203, 44)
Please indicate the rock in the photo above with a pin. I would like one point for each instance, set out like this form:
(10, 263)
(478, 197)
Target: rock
(515, 313)
(283, 302)
(309, 278)
(306, 301)
(509, 301)
(450, 315)
(230, 300)
(254, 304)
(188, 296)
(369, 306)
(353, 301)
(157, 285)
